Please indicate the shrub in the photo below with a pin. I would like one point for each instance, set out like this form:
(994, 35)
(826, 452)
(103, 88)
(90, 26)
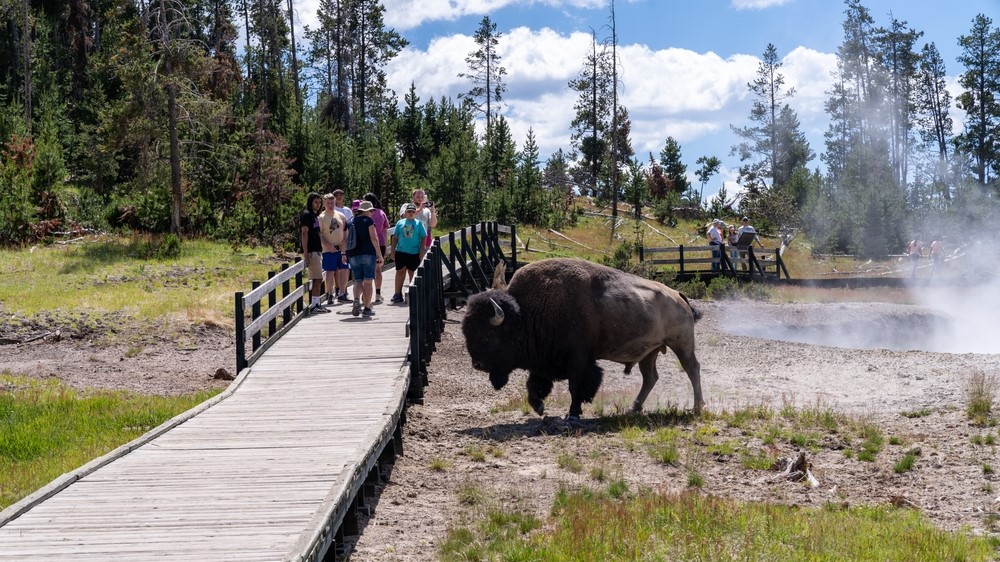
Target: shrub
(980, 391)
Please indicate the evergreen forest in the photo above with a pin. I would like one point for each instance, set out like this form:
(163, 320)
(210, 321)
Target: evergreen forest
(217, 118)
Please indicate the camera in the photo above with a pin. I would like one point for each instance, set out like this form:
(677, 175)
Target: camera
(428, 204)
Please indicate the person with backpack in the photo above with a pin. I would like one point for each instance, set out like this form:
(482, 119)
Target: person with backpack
(364, 256)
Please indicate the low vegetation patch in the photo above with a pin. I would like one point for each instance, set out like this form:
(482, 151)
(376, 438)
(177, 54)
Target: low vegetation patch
(615, 526)
(47, 429)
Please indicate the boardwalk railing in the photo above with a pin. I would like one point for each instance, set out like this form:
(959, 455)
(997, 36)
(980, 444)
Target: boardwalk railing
(291, 308)
(458, 264)
(689, 261)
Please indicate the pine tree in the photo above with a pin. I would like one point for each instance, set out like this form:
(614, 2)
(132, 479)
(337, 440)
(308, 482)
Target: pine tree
(980, 98)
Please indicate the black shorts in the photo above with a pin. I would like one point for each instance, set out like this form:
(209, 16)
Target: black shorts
(407, 261)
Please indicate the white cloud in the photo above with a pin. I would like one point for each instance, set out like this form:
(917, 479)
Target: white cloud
(669, 92)
(408, 14)
(757, 4)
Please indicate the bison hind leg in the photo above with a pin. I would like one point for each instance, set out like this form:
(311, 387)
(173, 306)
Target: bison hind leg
(583, 386)
(628, 367)
(647, 366)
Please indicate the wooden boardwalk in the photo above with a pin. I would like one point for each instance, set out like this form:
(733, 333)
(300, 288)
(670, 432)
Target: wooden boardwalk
(257, 473)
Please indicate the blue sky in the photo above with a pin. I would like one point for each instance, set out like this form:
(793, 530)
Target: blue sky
(684, 63)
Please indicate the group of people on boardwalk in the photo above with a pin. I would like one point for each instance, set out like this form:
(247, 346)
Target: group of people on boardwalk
(340, 242)
(719, 234)
(915, 251)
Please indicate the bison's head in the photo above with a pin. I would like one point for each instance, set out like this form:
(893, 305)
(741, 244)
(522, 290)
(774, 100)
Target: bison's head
(492, 327)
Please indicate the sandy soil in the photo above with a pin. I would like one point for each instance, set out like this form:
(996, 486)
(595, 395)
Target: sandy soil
(468, 448)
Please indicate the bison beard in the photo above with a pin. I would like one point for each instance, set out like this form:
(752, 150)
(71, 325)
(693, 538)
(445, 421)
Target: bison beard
(559, 316)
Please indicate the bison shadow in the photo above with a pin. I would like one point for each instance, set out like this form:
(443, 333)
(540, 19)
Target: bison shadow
(552, 425)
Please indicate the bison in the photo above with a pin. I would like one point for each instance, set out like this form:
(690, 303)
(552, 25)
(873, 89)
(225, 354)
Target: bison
(559, 316)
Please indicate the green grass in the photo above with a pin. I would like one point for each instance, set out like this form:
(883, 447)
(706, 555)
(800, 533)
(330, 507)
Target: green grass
(601, 526)
(47, 429)
(74, 285)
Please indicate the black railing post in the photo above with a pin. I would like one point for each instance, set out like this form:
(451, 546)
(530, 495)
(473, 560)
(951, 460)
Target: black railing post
(298, 283)
(272, 325)
(254, 314)
(680, 255)
(416, 391)
(241, 352)
(642, 254)
(286, 314)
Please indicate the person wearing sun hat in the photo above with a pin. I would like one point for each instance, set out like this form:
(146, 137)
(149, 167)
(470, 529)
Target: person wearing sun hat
(407, 247)
(714, 234)
(364, 259)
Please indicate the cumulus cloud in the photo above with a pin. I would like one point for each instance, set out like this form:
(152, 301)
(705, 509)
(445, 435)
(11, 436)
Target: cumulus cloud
(669, 92)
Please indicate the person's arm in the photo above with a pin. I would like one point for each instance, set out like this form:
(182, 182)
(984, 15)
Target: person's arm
(421, 236)
(433, 221)
(304, 235)
(373, 234)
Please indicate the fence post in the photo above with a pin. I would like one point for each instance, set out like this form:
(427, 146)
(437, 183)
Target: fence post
(241, 352)
(298, 283)
(286, 314)
(680, 254)
(642, 254)
(415, 393)
(254, 314)
(272, 325)
(513, 246)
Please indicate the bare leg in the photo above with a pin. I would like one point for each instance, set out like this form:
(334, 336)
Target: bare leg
(366, 292)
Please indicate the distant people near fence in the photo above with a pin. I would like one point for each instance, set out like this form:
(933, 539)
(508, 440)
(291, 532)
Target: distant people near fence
(331, 230)
(407, 248)
(731, 240)
(714, 234)
(914, 249)
(937, 256)
(344, 274)
(312, 249)
(381, 225)
(744, 244)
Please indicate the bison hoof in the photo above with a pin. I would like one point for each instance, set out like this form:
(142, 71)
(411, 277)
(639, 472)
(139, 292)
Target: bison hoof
(571, 418)
(537, 405)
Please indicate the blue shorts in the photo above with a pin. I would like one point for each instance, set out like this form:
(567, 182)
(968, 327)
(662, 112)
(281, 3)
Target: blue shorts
(332, 261)
(363, 267)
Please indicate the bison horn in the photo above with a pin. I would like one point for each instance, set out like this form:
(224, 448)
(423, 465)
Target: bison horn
(497, 313)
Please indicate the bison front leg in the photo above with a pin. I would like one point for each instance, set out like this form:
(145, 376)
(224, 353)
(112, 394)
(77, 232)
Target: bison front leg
(539, 387)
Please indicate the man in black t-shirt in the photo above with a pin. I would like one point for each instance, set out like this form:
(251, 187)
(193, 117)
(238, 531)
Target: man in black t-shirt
(312, 248)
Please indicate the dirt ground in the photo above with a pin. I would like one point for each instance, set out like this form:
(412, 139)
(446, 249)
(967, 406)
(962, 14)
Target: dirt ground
(469, 448)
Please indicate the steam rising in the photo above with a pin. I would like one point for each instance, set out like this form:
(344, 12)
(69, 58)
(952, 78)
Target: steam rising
(949, 319)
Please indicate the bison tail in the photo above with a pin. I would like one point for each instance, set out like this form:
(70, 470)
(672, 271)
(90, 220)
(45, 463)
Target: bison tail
(694, 311)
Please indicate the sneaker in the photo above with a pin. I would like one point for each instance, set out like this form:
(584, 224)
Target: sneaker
(329, 300)
(396, 298)
(317, 309)
(356, 309)
(343, 298)
(368, 312)
(379, 299)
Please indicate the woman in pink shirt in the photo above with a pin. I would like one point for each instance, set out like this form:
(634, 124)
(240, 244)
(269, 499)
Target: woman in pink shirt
(381, 225)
